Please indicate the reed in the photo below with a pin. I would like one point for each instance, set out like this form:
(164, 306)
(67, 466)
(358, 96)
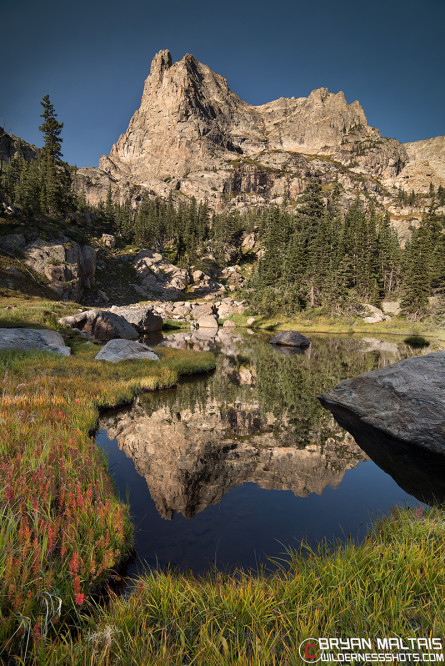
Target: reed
(393, 584)
(62, 527)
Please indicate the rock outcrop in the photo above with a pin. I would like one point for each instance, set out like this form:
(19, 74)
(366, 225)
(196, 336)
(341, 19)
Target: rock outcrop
(126, 350)
(405, 402)
(30, 339)
(141, 317)
(160, 276)
(68, 266)
(426, 165)
(101, 324)
(8, 147)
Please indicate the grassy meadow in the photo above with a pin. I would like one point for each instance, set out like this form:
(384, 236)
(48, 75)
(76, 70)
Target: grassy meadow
(63, 533)
(62, 527)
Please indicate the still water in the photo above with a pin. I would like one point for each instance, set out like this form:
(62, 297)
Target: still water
(238, 466)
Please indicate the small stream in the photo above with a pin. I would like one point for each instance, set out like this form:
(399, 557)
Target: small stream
(234, 468)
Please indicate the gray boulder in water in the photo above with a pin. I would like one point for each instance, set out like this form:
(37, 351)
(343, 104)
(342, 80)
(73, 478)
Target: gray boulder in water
(290, 339)
(30, 339)
(404, 402)
(125, 350)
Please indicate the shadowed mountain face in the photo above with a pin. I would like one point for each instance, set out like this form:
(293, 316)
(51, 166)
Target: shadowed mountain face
(255, 420)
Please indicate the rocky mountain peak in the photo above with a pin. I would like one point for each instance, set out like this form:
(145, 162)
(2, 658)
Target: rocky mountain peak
(320, 94)
(193, 136)
(161, 62)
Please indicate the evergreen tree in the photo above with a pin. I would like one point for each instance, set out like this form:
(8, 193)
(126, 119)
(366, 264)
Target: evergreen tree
(109, 207)
(51, 130)
(55, 184)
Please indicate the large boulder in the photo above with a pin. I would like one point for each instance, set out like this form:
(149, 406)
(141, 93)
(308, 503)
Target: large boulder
(101, 324)
(290, 339)
(108, 240)
(404, 402)
(373, 315)
(126, 350)
(208, 321)
(202, 310)
(30, 339)
(141, 317)
(69, 267)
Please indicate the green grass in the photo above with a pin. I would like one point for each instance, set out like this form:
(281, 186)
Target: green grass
(391, 585)
(174, 324)
(323, 324)
(63, 531)
(62, 527)
(34, 312)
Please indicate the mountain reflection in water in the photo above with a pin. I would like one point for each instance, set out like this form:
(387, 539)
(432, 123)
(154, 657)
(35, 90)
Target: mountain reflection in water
(255, 423)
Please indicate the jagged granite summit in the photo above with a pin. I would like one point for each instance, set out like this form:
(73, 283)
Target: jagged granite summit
(195, 137)
(189, 117)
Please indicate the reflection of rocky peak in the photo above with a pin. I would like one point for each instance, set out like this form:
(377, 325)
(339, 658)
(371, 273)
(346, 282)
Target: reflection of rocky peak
(192, 457)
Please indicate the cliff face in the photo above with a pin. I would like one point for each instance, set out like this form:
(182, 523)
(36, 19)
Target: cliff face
(193, 135)
(189, 119)
(432, 150)
(8, 147)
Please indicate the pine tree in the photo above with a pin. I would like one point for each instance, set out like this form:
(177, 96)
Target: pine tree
(389, 255)
(416, 276)
(51, 130)
(55, 184)
(109, 207)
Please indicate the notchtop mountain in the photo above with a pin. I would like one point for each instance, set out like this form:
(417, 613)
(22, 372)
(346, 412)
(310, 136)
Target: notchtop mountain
(302, 192)
(194, 137)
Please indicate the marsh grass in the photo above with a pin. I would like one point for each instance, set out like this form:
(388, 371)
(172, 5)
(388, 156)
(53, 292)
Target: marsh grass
(34, 312)
(62, 527)
(316, 323)
(391, 585)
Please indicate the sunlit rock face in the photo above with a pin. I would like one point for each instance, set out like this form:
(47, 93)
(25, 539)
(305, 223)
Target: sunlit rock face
(189, 117)
(193, 136)
(192, 457)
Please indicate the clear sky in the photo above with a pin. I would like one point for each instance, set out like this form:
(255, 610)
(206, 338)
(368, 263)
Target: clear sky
(92, 57)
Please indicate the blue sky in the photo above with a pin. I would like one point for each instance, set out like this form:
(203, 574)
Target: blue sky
(92, 57)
